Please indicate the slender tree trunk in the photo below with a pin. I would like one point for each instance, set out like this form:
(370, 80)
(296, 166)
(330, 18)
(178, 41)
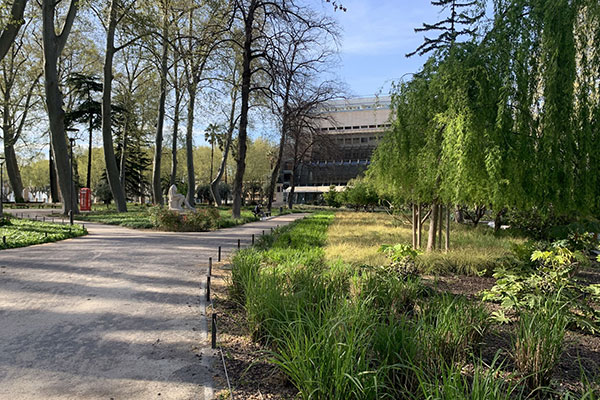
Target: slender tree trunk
(419, 226)
(243, 132)
(123, 162)
(189, 144)
(414, 226)
(433, 219)
(440, 225)
(158, 141)
(214, 185)
(175, 135)
(458, 215)
(498, 219)
(112, 172)
(88, 179)
(447, 245)
(53, 45)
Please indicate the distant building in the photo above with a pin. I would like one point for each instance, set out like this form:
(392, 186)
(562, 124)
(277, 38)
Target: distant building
(352, 129)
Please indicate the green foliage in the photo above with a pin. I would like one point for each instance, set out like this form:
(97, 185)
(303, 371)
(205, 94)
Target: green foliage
(23, 232)
(403, 258)
(359, 193)
(246, 264)
(332, 198)
(545, 270)
(200, 220)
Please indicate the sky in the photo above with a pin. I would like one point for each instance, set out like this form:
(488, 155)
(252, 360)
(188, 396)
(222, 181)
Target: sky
(376, 36)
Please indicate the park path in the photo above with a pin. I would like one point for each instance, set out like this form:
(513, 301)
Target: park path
(117, 314)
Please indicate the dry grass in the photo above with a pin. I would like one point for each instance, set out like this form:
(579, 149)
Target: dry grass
(355, 238)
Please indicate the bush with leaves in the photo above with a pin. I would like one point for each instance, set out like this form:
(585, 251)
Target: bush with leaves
(403, 258)
(332, 198)
(196, 221)
(548, 270)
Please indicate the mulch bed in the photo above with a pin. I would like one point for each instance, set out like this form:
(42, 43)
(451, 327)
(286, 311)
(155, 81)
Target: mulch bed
(253, 378)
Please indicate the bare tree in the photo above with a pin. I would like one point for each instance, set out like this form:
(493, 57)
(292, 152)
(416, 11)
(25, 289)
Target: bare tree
(299, 54)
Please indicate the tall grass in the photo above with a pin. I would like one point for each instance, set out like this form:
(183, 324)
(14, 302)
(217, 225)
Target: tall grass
(539, 341)
(339, 331)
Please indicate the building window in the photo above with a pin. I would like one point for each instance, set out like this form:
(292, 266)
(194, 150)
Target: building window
(372, 126)
(364, 140)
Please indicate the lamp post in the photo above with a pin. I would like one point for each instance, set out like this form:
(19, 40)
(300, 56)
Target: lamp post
(71, 140)
(1, 186)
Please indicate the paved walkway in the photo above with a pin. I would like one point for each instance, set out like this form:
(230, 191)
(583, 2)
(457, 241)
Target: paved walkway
(117, 314)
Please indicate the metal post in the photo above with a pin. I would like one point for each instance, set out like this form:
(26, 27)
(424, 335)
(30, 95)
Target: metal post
(253, 239)
(1, 187)
(219, 259)
(209, 266)
(213, 331)
(4, 240)
(207, 289)
(71, 185)
(239, 244)
(263, 232)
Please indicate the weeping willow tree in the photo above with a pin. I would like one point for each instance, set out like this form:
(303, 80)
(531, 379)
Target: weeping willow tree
(507, 120)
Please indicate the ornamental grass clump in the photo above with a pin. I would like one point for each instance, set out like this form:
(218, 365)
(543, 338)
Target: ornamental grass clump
(450, 328)
(538, 341)
(244, 272)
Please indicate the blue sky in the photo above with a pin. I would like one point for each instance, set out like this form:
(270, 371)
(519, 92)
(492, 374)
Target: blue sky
(376, 36)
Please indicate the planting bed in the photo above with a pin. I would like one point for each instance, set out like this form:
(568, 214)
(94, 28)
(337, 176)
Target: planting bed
(295, 322)
(23, 232)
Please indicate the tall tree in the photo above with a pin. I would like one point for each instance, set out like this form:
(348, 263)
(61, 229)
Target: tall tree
(54, 44)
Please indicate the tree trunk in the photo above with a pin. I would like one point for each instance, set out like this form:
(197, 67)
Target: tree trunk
(433, 219)
(214, 185)
(447, 244)
(54, 196)
(419, 226)
(123, 163)
(110, 160)
(414, 226)
(440, 225)
(53, 45)
(189, 144)
(88, 179)
(175, 134)
(292, 189)
(12, 167)
(498, 219)
(243, 131)
(12, 29)
(458, 215)
(156, 184)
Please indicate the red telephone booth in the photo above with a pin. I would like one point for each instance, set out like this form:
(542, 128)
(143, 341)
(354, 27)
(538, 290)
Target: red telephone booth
(85, 199)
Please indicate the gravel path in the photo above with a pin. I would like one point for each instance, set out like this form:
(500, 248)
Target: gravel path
(117, 314)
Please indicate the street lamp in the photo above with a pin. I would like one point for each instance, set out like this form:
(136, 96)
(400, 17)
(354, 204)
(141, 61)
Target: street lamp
(71, 140)
(1, 186)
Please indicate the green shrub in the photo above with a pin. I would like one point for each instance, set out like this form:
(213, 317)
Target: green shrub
(193, 221)
(403, 258)
(538, 341)
(550, 270)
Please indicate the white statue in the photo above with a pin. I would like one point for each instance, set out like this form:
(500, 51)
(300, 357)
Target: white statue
(177, 201)
(25, 194)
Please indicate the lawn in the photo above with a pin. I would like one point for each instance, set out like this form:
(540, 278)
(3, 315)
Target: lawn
(138, 217)
(23, 232)
(355, 238)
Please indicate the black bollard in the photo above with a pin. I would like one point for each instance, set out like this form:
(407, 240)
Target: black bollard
(219, 259)
(213, 331)
(253, 239)
(207, 289)
(209, 266)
